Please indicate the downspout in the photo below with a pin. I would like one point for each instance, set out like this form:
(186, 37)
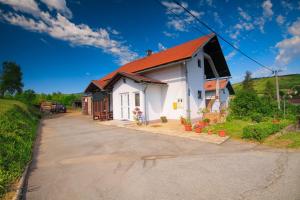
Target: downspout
(187, 88)
(145, 105)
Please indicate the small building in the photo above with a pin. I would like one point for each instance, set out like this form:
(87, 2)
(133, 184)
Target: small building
(173, 83)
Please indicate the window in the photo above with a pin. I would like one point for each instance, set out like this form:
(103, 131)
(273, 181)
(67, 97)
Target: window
(124, 80)
(137, 99)
(199, 63)
(199, 94)
(223, 91)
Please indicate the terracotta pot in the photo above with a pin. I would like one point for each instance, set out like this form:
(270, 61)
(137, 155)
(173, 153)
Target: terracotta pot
(275, 121)
(222, 133)
(182, 121)
(210, 132)
(188, 127)
(198, 130)
(202, 124)
(206, 123)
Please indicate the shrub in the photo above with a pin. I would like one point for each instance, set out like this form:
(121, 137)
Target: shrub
(262, 130)
(256, 117)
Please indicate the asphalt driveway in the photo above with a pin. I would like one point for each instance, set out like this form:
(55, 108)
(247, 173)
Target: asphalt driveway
(76, 158)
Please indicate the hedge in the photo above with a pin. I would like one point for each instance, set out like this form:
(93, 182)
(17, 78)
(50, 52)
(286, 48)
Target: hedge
(262, 130)
(17, 133)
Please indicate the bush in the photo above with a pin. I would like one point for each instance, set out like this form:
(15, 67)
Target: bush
(256, 117)
(17, 133)
(262, 130)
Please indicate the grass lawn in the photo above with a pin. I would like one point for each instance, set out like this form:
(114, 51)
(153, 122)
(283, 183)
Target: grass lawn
(289, 140)
(233, 128)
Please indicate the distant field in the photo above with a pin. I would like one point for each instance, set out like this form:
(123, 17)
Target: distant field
(285, 82)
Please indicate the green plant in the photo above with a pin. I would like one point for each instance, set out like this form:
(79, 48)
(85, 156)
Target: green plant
(188, 122)
(256, 117)
(262, 130)
(206, 120)
(18, 124)
(203, 111)
(163, 119)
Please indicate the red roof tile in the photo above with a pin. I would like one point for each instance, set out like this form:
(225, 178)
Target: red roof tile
(211, 85)
(177, 53)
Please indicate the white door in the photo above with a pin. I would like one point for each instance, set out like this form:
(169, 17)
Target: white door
(125, 110)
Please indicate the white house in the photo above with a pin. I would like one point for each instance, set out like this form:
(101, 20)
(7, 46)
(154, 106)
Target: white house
(172, 83)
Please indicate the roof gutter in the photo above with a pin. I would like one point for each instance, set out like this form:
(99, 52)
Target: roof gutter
(164, 65)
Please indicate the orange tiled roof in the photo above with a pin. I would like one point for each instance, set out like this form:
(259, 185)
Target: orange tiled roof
(211, 85)
(177, 53)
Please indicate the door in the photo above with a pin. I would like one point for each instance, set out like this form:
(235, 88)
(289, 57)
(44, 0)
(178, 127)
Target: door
(125, 109)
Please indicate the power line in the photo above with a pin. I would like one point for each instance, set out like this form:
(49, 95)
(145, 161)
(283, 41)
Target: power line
(221, 37)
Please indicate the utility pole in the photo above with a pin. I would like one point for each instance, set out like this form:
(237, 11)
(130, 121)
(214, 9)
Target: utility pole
(277, 88)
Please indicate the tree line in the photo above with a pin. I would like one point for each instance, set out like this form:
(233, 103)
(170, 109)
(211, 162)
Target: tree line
(11, 87)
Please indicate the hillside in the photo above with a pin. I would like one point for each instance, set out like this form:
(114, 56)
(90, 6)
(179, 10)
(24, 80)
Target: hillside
(285, 82)
(18, 125)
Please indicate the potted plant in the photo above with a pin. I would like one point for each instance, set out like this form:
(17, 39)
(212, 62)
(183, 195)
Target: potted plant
(210, 132)
(188, 125)
(182, 120)
(163, 119)
(222, 133)
(137, 115)
(206, 121)
(197, 128)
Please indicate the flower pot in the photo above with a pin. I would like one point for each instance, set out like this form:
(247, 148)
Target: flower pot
(188, 127)
(210, 132)
(206, 123)
(182, 121)
(275, 121)
(198, 130)
(222, 133)
(202, 124)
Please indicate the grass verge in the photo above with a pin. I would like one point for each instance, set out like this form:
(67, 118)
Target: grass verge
(287, 140)
(18, 126)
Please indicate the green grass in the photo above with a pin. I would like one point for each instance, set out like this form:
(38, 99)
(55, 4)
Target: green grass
(285, 82)
(233, 128)
(18, 125)
(6, 104)
(289, 140)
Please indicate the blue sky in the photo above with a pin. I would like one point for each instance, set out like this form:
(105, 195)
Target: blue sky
(62, 45)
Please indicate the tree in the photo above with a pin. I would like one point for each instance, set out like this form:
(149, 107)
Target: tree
(248, 83)
(28, 97)
(269, 91)
(10, 78)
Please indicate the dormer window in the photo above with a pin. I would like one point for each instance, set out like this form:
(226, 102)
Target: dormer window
(199, 63)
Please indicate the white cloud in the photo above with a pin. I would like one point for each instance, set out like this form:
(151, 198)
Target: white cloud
(59, 5)
(289, 48)
(161, 47)
(62, 28)
(179, 24)
(261, 72)
(207, 3)
(27, 6)
(280, 19)
(230, 55)
(218, 19)
(171, 35)
(267, 8)
(244, 14)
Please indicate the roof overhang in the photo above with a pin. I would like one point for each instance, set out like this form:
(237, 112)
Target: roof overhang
(134, 77)
(213, 49)
(93, 87)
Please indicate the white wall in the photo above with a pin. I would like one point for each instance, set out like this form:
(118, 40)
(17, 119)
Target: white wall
(174, 76)
(196, 80)
(131, 87)
(153, 101)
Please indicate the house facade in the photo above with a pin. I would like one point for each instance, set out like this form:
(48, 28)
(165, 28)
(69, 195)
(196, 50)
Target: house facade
(172, 83)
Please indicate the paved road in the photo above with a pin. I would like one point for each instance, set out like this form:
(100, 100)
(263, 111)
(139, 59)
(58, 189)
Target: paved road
(77, 158)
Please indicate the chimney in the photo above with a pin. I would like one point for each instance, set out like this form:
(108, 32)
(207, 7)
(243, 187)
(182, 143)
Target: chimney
(149, 52)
